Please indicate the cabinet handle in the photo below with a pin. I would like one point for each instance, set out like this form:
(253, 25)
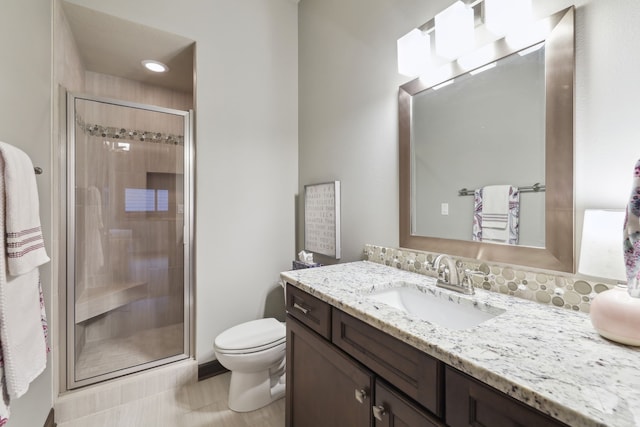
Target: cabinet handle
(379, 412)
(361, 395)
(301, 308)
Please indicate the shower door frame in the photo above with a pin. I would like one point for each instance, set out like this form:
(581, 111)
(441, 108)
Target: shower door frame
(188, 233)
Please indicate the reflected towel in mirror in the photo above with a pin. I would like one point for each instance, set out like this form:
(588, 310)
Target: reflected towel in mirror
(496, 214)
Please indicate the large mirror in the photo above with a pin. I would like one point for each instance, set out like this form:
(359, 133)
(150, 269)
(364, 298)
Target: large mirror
(511, 124)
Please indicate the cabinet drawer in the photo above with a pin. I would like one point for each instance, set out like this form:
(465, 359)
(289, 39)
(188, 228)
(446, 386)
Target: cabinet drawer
(473, 403)
(415, 373)
(393, 409)
(314, 313)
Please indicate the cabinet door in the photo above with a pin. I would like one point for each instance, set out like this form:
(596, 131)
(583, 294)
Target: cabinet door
(392, 409)
(410, 370)
(324, 386)
(472, 403)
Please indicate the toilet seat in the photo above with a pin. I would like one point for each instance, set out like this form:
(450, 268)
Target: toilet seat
(251, 337)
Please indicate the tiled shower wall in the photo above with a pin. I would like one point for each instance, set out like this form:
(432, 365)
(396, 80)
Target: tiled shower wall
(553, 288)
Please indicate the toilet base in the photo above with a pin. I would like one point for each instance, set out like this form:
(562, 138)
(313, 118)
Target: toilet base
(249, 391)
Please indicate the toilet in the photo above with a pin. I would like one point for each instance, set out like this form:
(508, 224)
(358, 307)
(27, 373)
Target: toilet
(254, 352)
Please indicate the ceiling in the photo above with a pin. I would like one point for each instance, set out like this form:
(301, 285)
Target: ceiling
(114, 46)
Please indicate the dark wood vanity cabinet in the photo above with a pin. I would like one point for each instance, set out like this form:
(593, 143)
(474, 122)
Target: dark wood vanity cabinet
(312, 312)
(328, 383)
(342, 372)
(473, 403)
(324, 386)
(413, 372)
(391, 409)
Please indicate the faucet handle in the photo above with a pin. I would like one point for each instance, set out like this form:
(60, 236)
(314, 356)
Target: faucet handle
(442, 270)
(468, 273)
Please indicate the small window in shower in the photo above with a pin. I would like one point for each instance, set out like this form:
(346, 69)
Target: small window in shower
(146, 200)
(139, 200)
(161, 195)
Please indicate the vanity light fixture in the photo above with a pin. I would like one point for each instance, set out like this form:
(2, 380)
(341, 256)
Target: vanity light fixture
(481, 69)
(414, 51)
(531, 49)
(528, 35)
(503, 16)
(477, 57)
(441, 85)
(454, 35)
(454, 28)
(155, 66)
(437, 75)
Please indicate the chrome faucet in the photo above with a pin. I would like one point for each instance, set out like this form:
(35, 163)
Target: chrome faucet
(449, 275)
(448, 272)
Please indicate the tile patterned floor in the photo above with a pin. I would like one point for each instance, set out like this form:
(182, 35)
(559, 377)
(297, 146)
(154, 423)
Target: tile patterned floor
(103, 356)
(203, 404)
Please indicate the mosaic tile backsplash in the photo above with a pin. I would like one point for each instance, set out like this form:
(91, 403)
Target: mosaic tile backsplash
(544, 287)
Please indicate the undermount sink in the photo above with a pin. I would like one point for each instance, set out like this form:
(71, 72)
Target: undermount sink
(435, 306)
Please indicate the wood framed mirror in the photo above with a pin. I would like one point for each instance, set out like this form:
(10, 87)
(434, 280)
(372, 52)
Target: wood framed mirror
(557, 252)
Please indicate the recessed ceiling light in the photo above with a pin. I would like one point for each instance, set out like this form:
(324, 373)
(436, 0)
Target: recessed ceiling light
(155, 66)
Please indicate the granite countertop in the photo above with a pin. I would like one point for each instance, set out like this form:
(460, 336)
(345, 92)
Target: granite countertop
(550, 358)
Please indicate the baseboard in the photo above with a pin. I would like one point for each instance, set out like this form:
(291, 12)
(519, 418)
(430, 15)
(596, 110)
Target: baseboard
(50, 422)
(210, 369)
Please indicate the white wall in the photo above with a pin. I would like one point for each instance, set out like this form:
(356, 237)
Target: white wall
(25, 121)
(246, 148)
(348, 110)
(348, 113)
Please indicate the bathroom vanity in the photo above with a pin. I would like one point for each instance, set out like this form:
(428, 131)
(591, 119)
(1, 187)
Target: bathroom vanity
(356, 357)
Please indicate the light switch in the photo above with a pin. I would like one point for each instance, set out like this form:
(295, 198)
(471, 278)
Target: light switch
(444, 208)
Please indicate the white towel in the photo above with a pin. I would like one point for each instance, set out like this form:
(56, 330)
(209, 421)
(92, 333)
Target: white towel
(495, 209)
(22, 323)
(24, 348)
(25, 245)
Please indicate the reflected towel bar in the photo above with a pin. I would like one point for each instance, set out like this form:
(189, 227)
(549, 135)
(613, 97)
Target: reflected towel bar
(535, 188)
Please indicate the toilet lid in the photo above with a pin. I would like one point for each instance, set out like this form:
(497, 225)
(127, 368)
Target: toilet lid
(251, 336)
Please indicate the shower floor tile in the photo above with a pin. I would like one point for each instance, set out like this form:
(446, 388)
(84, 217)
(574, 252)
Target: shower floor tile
(108, 355)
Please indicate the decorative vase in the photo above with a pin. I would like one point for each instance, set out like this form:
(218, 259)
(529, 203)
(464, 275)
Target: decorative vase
(616, 315)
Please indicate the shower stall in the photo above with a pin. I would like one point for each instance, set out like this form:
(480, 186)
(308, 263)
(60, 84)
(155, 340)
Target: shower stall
(129, 228)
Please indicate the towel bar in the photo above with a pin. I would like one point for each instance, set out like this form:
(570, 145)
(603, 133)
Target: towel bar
(535, 188)
(37, 170)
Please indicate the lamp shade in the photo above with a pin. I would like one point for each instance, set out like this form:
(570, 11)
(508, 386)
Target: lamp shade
(414, 51)
(601, 253)
(454, 31)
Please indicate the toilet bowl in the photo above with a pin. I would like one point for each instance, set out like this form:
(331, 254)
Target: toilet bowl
(254, 352)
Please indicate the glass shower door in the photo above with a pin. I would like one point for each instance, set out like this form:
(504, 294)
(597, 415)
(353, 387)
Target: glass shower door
(128, 238)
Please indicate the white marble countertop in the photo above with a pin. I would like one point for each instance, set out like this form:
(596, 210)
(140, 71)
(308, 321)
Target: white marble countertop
(550, 358)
